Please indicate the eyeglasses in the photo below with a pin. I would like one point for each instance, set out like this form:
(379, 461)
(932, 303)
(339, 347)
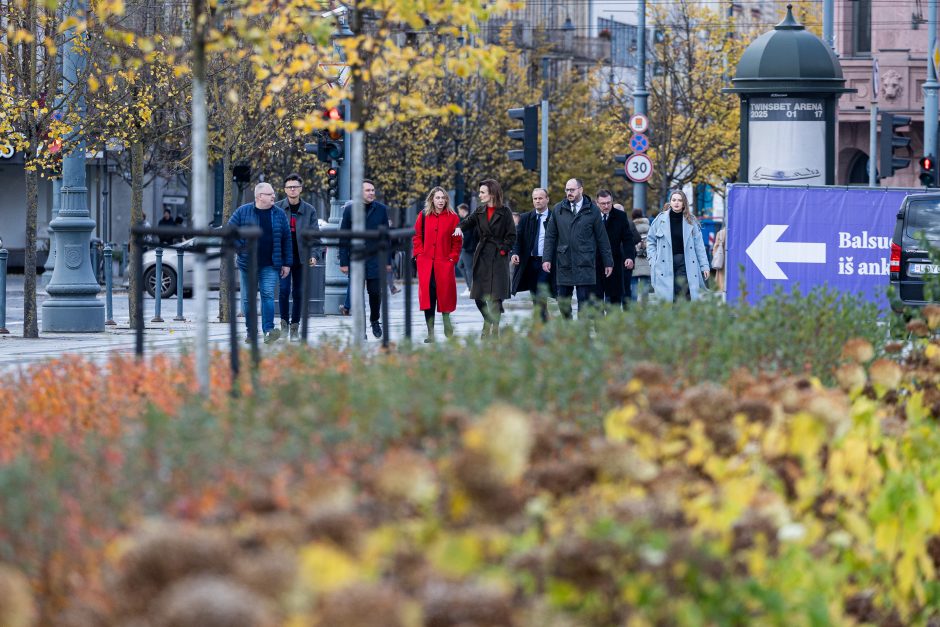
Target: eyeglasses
(571, 189)
(293, 187)
(266, 194)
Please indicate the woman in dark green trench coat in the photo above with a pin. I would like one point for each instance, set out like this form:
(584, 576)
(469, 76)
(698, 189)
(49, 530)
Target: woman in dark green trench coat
(496, 230)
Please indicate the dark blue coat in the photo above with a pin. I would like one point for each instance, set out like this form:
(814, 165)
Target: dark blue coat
(376, 216)
(281, 252)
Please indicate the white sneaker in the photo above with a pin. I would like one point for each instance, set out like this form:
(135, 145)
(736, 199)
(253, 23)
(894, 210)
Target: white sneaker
(465, 293)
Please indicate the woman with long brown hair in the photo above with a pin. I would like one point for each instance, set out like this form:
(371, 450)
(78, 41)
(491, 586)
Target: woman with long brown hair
(436, 248)
(676, 252)
(494, 225)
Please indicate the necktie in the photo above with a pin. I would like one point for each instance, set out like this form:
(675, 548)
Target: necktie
(538, 232)
(605, 218)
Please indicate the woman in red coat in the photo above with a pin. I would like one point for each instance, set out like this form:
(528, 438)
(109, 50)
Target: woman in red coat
(437, 249)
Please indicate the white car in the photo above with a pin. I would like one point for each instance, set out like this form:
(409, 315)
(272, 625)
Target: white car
(169, 270)
(168, 276)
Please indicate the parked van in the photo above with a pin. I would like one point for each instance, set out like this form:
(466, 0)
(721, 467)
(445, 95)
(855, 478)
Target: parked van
(918, 220)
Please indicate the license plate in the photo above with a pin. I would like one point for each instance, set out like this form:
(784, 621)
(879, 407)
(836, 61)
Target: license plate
(923, 268)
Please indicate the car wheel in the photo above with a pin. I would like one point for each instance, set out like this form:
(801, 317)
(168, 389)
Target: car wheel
(168, 280)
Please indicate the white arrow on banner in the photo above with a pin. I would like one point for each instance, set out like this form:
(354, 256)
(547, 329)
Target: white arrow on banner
(766, 252)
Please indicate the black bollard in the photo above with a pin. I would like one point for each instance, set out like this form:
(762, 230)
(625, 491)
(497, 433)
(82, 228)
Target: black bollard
(179, 286)
(108, 286)
(158, 287)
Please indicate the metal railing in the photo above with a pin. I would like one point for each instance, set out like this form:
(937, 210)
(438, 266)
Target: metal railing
(226, 241)
(229, 238)
(381, 243)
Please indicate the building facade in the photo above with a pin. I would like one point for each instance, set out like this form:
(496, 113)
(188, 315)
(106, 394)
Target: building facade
(893, 34)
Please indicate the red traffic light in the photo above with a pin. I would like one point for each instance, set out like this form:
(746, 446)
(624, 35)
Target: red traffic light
(927, 163)
(331, 172)
(334, 114)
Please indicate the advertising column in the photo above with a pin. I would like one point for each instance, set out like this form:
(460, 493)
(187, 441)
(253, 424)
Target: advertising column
(786, 141)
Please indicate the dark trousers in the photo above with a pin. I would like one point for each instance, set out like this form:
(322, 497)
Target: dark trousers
(375, 299)
(680, 281)
(293, 282)
(543, 285)
(432, 294)
(609, 289)
(585, 294)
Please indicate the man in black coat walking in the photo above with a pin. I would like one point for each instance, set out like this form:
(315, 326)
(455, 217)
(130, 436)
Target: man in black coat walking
(302, 216)
(623, 239)
(575, 239)
(528, 273)
(376, 216)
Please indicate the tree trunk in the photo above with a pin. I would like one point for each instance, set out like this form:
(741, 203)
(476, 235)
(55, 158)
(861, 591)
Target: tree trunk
(30, 312)
(227, 193)
(137, 217)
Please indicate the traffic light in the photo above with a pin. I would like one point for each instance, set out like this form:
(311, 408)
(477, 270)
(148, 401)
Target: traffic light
(330, 140)
(529, 134)
(620, 170)
(889, 159)
(332, 182)
(928, 173)
(241, 172)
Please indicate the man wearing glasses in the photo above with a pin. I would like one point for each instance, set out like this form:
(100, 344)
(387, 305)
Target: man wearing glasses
(301, 216)
(575, 239)
(274, 254)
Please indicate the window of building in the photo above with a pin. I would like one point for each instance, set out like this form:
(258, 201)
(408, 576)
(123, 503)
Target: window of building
(861, 26)
(623, 41)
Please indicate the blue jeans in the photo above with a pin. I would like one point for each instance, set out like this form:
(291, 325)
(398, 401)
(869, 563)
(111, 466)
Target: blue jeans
(290, 312)
(268, 277)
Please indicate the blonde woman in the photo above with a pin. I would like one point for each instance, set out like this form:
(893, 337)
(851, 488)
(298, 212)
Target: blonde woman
(436, 247)
(676, 252)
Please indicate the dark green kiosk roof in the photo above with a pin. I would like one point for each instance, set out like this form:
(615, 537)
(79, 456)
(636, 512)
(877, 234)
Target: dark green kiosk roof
(788, 59)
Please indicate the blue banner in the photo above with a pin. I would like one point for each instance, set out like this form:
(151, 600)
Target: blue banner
(808, 237)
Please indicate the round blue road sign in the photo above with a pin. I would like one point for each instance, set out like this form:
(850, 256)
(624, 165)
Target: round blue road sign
(639, 143)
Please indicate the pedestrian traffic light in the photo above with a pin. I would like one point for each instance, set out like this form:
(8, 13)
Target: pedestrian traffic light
(241, 172)
(620, 170)
(891, 142)
(330, 140)
(332, 182)
(528, 134)
(928, 173)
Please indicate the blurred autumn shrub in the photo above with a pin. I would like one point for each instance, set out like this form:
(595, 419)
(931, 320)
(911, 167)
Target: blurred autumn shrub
(346, 482)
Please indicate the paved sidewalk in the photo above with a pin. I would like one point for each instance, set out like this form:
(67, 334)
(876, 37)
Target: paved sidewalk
(175, 337)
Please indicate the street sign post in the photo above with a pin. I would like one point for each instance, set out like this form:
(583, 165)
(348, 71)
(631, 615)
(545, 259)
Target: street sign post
(638, 167)
(639, 143)
(639, 123)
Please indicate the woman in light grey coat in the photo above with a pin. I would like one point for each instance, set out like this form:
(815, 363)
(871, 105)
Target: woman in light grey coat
(678, 269)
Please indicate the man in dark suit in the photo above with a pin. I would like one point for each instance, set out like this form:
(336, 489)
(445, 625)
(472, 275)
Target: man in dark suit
(527, 273)
(623, 240)
(376, 216)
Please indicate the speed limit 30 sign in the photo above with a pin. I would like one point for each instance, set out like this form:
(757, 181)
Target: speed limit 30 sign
(638, 168)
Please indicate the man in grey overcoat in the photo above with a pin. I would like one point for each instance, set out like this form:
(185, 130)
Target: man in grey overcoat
(575, 238)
